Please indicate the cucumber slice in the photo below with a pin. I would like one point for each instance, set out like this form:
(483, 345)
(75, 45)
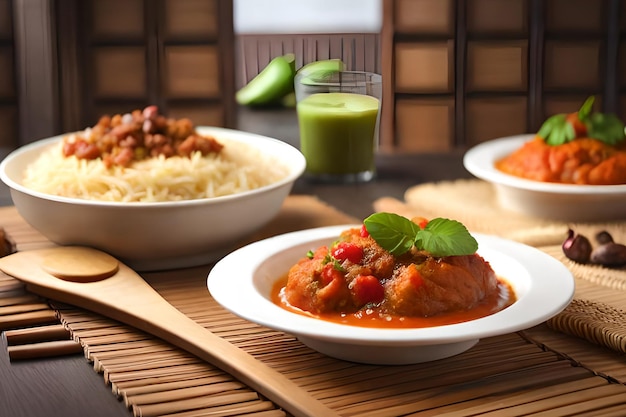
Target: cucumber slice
(330, 65)
(271, 84)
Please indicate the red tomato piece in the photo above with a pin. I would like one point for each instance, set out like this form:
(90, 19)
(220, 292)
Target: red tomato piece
(420, 221)
(364, 232)
(349, 251)
(367, 289)
(329, 274)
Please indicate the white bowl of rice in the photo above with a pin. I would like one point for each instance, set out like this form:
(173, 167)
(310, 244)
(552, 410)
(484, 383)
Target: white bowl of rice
(160, 213)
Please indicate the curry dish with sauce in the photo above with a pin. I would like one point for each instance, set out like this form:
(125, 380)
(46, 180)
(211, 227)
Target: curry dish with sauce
(355, 281)
(584, 161)
(576, 148)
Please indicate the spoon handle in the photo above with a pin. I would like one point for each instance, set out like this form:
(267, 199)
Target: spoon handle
(127, 298)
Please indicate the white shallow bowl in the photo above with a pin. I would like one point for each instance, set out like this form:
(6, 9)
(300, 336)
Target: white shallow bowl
(242, 283)
(564, 202)
(155, 236)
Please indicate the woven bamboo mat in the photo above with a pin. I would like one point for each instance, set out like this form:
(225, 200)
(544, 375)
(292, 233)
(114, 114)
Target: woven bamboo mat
(524, 373)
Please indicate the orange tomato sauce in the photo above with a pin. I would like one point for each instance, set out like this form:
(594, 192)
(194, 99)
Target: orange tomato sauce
(583, 161)
(374, 318)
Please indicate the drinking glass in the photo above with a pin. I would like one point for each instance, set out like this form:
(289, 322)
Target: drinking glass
(338, 119)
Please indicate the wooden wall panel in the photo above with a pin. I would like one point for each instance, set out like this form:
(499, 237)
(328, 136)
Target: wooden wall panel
(497, 66)
(572, 65)
(119, 72)
(425, 125)
(576, 16)
(192, 72)
(433, 17)
(209, 115)
(174, 56)
(489, 118)
(424, 67)
(117, 19)
(191, 18)
(113, 56)
(513, 64)
(497, 16)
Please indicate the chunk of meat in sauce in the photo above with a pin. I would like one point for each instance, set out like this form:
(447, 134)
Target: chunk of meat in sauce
(315, 286)
(437, 285)
(414, 284)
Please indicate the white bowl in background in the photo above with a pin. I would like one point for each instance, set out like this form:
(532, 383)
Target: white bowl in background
(242, 282)
(160, 235)
(561, 202)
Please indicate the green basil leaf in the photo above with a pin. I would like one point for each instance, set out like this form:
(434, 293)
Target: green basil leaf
(392, 232)
(557, 137)
(440, 237)
(557, 130)
(445, 237)
(606, 127)
(585, 109)
(549, 125)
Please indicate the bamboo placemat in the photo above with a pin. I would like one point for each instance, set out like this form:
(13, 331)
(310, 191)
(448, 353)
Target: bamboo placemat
(512, 374)
(473, 203)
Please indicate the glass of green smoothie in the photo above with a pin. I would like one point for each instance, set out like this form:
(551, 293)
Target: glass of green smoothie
(338, 117)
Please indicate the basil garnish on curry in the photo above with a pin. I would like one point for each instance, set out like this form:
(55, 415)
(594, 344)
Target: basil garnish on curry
(440, 237)
(562, 128)
(395, 272)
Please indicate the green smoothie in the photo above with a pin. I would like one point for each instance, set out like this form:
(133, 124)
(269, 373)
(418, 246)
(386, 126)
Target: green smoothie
(337, 132)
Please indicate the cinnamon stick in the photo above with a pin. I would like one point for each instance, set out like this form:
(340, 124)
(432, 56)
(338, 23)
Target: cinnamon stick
(37, 334)
(44, 349)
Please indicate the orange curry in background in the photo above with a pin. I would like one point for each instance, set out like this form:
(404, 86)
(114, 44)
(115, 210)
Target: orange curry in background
(582, 147)
(582, 161)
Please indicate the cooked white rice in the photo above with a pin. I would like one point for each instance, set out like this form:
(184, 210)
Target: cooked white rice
(237, 168)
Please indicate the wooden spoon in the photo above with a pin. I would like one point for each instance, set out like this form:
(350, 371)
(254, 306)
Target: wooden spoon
(94, 280)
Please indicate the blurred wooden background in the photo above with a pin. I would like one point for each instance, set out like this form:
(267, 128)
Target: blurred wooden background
(63, 63)
(456, 72)
(461, 72)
